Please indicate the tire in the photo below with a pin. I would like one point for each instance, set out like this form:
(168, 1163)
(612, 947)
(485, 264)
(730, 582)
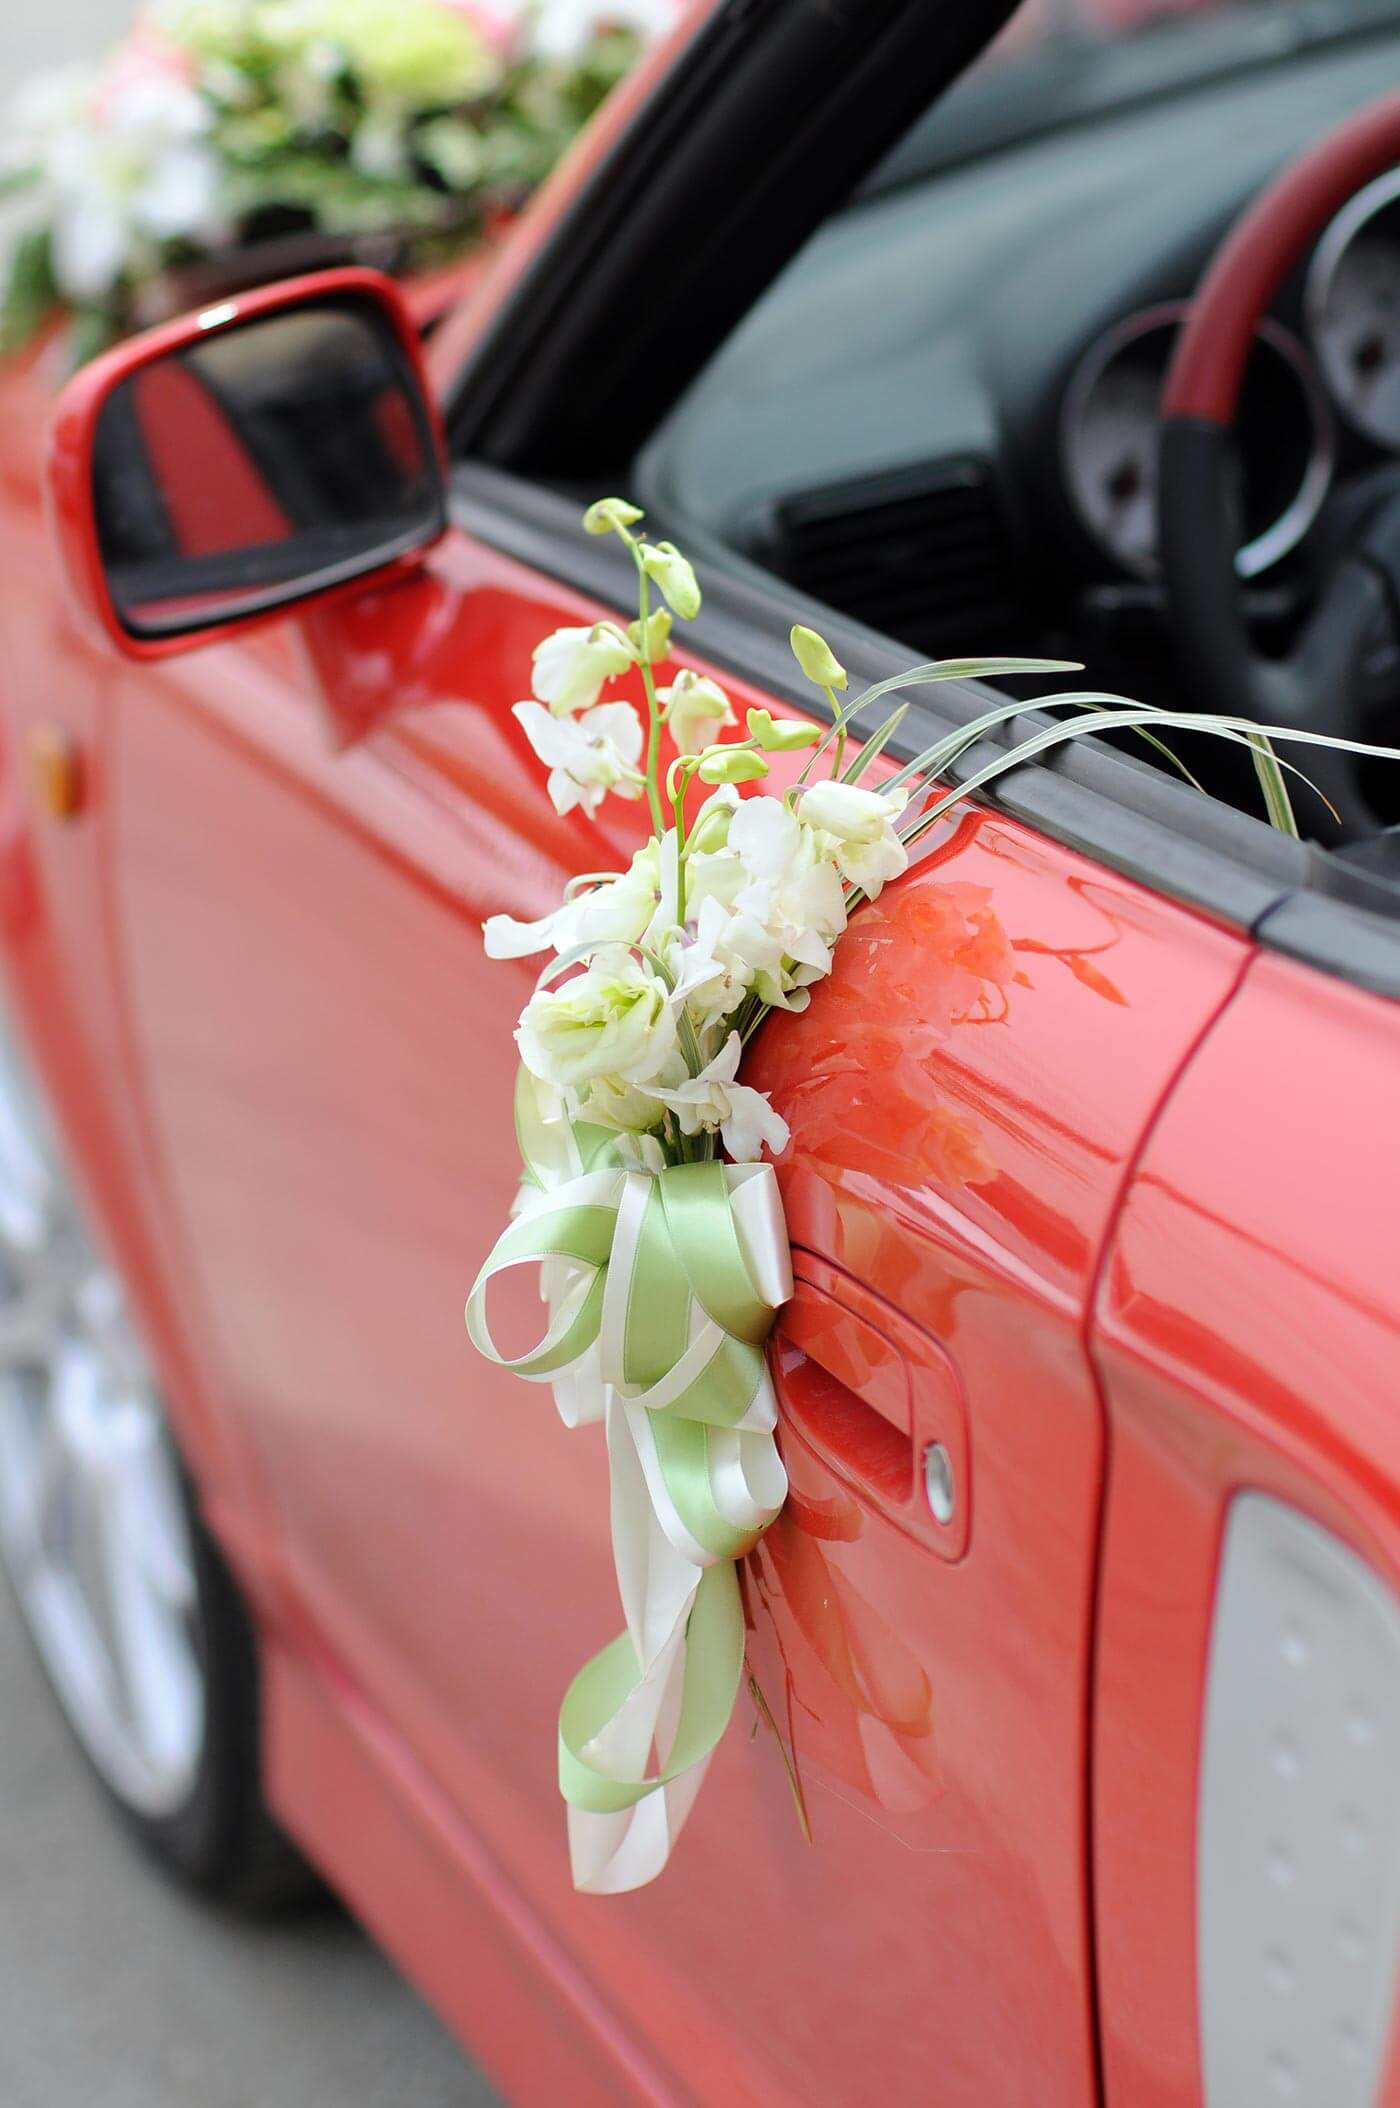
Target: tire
(131, 1609)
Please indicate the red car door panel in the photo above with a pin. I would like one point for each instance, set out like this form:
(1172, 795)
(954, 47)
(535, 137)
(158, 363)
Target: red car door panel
(327, 1062)
(1246, 1332)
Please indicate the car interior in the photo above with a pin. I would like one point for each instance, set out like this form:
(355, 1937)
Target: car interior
(943, 418)
(895, 395)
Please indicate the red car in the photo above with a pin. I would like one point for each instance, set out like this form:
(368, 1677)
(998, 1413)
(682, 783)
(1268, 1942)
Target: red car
(1082, 1620)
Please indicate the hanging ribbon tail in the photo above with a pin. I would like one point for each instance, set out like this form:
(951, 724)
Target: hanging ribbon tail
(661, 1287)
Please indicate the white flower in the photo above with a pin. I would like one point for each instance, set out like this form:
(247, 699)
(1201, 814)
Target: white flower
(126, 166)
(615, 1020)
(745, 1119)
(860, 826)
(716, 968)
(616, 912)
(563, 28)
(586, 756)
(695, 707)
(790, 887)
(627, 1108)
(380, 144)
(571, 666)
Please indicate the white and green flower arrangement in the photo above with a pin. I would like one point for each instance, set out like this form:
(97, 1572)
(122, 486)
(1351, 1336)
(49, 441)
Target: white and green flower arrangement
(646, 1205)
(221, 130)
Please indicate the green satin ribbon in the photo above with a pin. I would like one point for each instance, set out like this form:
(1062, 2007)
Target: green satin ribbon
(714, 1665)
(681, 1249)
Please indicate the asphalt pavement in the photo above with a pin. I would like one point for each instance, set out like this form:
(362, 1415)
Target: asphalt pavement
(117, 1991)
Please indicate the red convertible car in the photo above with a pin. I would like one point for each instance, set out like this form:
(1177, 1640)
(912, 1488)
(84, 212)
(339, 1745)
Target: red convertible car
(1082, 1623)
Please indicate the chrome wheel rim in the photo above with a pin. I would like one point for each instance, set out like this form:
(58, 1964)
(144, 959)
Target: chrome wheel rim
(92, 1526)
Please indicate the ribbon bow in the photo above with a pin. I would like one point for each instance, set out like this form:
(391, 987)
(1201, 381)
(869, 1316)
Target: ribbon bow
(662, 1282)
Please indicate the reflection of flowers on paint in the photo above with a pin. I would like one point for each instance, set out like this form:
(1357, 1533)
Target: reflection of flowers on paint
(854, 1699)
(919, 961)
(876, 1085)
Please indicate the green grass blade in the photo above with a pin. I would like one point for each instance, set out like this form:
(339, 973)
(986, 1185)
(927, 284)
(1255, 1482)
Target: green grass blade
(1277, 802)
(1240, 731)
(874, 744)
(935, 670)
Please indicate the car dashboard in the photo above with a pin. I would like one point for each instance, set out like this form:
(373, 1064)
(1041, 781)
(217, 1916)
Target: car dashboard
(942, 419)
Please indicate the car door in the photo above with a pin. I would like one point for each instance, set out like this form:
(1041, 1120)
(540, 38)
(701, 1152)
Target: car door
(306, 828)
(1248, 1668)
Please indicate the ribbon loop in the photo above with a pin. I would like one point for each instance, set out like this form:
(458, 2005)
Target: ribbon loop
(662, 1285)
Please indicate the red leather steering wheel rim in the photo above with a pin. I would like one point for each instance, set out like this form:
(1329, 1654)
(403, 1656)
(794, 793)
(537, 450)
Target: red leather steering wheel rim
(1320, 687)
(1261, 249)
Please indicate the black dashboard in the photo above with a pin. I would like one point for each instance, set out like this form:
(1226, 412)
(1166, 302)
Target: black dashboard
(941, 419)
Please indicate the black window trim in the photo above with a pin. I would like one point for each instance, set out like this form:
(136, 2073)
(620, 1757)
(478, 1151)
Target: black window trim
(1291, 897)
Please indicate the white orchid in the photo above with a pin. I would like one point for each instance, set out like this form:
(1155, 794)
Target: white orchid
(586, 756)
(714, 1102)
(571, 666)
(126, 165)
(789, 886)
(860, 826)
(714, 921)
(614, 1020)
(696, 709)
(616, 912)
(563, 27)
(717, 966)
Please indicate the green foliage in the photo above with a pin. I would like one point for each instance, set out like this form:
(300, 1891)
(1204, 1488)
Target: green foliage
(30, 292)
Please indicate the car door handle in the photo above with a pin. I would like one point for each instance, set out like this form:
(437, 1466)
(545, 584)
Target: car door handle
(878, 1401)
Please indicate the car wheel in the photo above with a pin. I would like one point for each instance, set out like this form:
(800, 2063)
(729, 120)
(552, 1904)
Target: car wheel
(135, 1618)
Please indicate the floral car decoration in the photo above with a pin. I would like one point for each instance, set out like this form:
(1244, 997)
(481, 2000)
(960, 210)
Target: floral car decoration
(645, 1204)
(222, 133)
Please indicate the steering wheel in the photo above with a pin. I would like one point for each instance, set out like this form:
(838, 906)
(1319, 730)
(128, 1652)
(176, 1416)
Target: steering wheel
(1322, 687)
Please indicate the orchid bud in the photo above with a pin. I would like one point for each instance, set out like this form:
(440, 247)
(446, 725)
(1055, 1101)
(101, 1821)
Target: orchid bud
(709, 830)
(610, 516)
(816, 658)
(696, 707)
(731, 765)
(781, 735)
(657, 641)
(663, 562)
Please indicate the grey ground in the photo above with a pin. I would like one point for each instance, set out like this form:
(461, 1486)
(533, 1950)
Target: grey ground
(115, 1991)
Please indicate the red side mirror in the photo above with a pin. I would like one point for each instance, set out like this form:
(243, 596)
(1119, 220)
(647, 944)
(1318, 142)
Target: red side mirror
(230, 463)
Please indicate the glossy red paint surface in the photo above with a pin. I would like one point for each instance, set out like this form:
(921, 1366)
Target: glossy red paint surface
(331, 1104)
(1247, 1332)
(294, 837)
(253, 977)
(73, 433)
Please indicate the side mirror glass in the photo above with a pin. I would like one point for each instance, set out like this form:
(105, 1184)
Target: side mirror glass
(243, 460)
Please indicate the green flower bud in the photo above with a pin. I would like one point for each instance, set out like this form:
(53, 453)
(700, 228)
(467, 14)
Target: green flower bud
(610, 516)
(781, 735)
(663, 562)
(816, 658)
(658, 637)
(731, 765)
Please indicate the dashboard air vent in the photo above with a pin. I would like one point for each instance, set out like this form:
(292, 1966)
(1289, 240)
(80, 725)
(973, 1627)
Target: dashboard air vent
(922, 555)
